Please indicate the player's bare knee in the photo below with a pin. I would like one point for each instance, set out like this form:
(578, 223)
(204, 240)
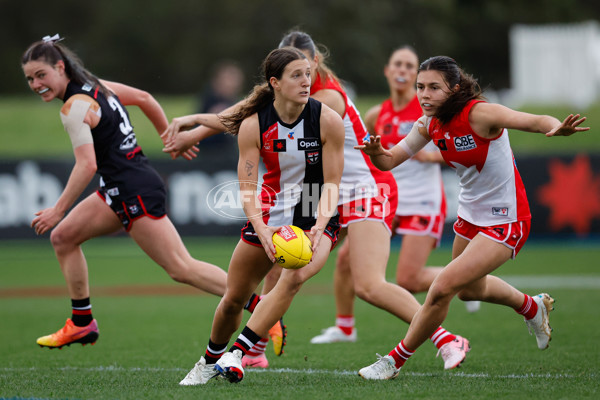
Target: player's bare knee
(366, 292)
(60, 240)
(467, 295)
(178, 276)
(342, 262)
(231, 305)
(175, 272)
(440, 292)
(409, 282)
(292, 282)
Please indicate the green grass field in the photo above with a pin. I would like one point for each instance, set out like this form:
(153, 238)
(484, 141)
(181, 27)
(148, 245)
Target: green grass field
(149, 342)
(26, 119)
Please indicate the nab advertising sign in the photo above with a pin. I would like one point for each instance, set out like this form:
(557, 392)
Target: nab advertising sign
(204, 196)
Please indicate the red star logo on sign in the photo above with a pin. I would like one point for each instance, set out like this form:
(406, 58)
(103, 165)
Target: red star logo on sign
(573, 195)
(280, 145)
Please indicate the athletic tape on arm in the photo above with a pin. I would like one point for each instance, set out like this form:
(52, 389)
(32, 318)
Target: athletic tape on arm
(414, 141)
(79, 132)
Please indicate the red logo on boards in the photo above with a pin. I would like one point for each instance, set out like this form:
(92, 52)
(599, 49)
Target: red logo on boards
(572, 195)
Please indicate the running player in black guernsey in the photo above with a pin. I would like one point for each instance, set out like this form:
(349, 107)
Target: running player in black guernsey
(131, 196)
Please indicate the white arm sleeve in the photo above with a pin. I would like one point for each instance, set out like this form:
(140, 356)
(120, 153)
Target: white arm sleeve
(79, 132)
(414, 141)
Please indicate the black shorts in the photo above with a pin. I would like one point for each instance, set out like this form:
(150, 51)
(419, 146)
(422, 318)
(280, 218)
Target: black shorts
(332, 231)
(150, 204)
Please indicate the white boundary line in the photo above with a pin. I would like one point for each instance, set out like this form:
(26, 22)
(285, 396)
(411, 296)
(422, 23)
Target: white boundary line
(309, 371)
(553, 281)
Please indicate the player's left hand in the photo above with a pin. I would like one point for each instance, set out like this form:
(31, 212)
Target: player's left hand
(569, 126)
(372, 146)
(315, 235)
(182, 144)
(45, 220)
(265, 235)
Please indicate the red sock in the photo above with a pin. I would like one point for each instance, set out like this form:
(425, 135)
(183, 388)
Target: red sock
(529, 307)
(345, 323)
(400, 354)
(441, 336)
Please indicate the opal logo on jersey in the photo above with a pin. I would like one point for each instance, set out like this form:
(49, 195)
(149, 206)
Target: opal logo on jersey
(311, 144)
(464, 143)
(226, 199)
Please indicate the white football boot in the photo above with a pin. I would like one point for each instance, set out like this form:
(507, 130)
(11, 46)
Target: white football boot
(230, 366)
(540, 324)
(333, 334)
(384, 368)
(472, 306)
(200, 374)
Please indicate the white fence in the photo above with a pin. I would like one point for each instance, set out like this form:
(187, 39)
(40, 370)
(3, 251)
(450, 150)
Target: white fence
(555, 64)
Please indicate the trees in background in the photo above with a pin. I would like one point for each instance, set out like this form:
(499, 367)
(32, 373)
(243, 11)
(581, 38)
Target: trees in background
(169, 47)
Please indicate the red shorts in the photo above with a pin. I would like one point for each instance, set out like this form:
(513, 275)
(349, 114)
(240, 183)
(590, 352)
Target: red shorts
(420, 225)
(513, 235)
(380, 208)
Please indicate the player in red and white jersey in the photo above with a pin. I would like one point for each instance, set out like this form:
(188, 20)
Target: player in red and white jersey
(367, 205)
(421, 208)
(360, 180)
(493, 218)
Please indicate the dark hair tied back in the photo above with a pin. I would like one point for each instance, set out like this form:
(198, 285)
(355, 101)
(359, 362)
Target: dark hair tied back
(468, 88)
(50, 51)
(263, 94)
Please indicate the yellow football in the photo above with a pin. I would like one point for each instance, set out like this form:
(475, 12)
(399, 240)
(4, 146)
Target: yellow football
(293, 249)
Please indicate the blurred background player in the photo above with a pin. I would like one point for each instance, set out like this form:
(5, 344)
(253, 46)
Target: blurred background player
(224, 89)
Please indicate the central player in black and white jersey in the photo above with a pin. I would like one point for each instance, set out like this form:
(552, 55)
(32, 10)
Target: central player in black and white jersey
(300, 142)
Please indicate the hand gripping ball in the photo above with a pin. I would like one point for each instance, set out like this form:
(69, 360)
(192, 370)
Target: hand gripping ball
(293, 249)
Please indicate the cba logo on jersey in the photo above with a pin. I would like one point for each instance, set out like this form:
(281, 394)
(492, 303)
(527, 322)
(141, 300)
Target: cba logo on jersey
(463, 143)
